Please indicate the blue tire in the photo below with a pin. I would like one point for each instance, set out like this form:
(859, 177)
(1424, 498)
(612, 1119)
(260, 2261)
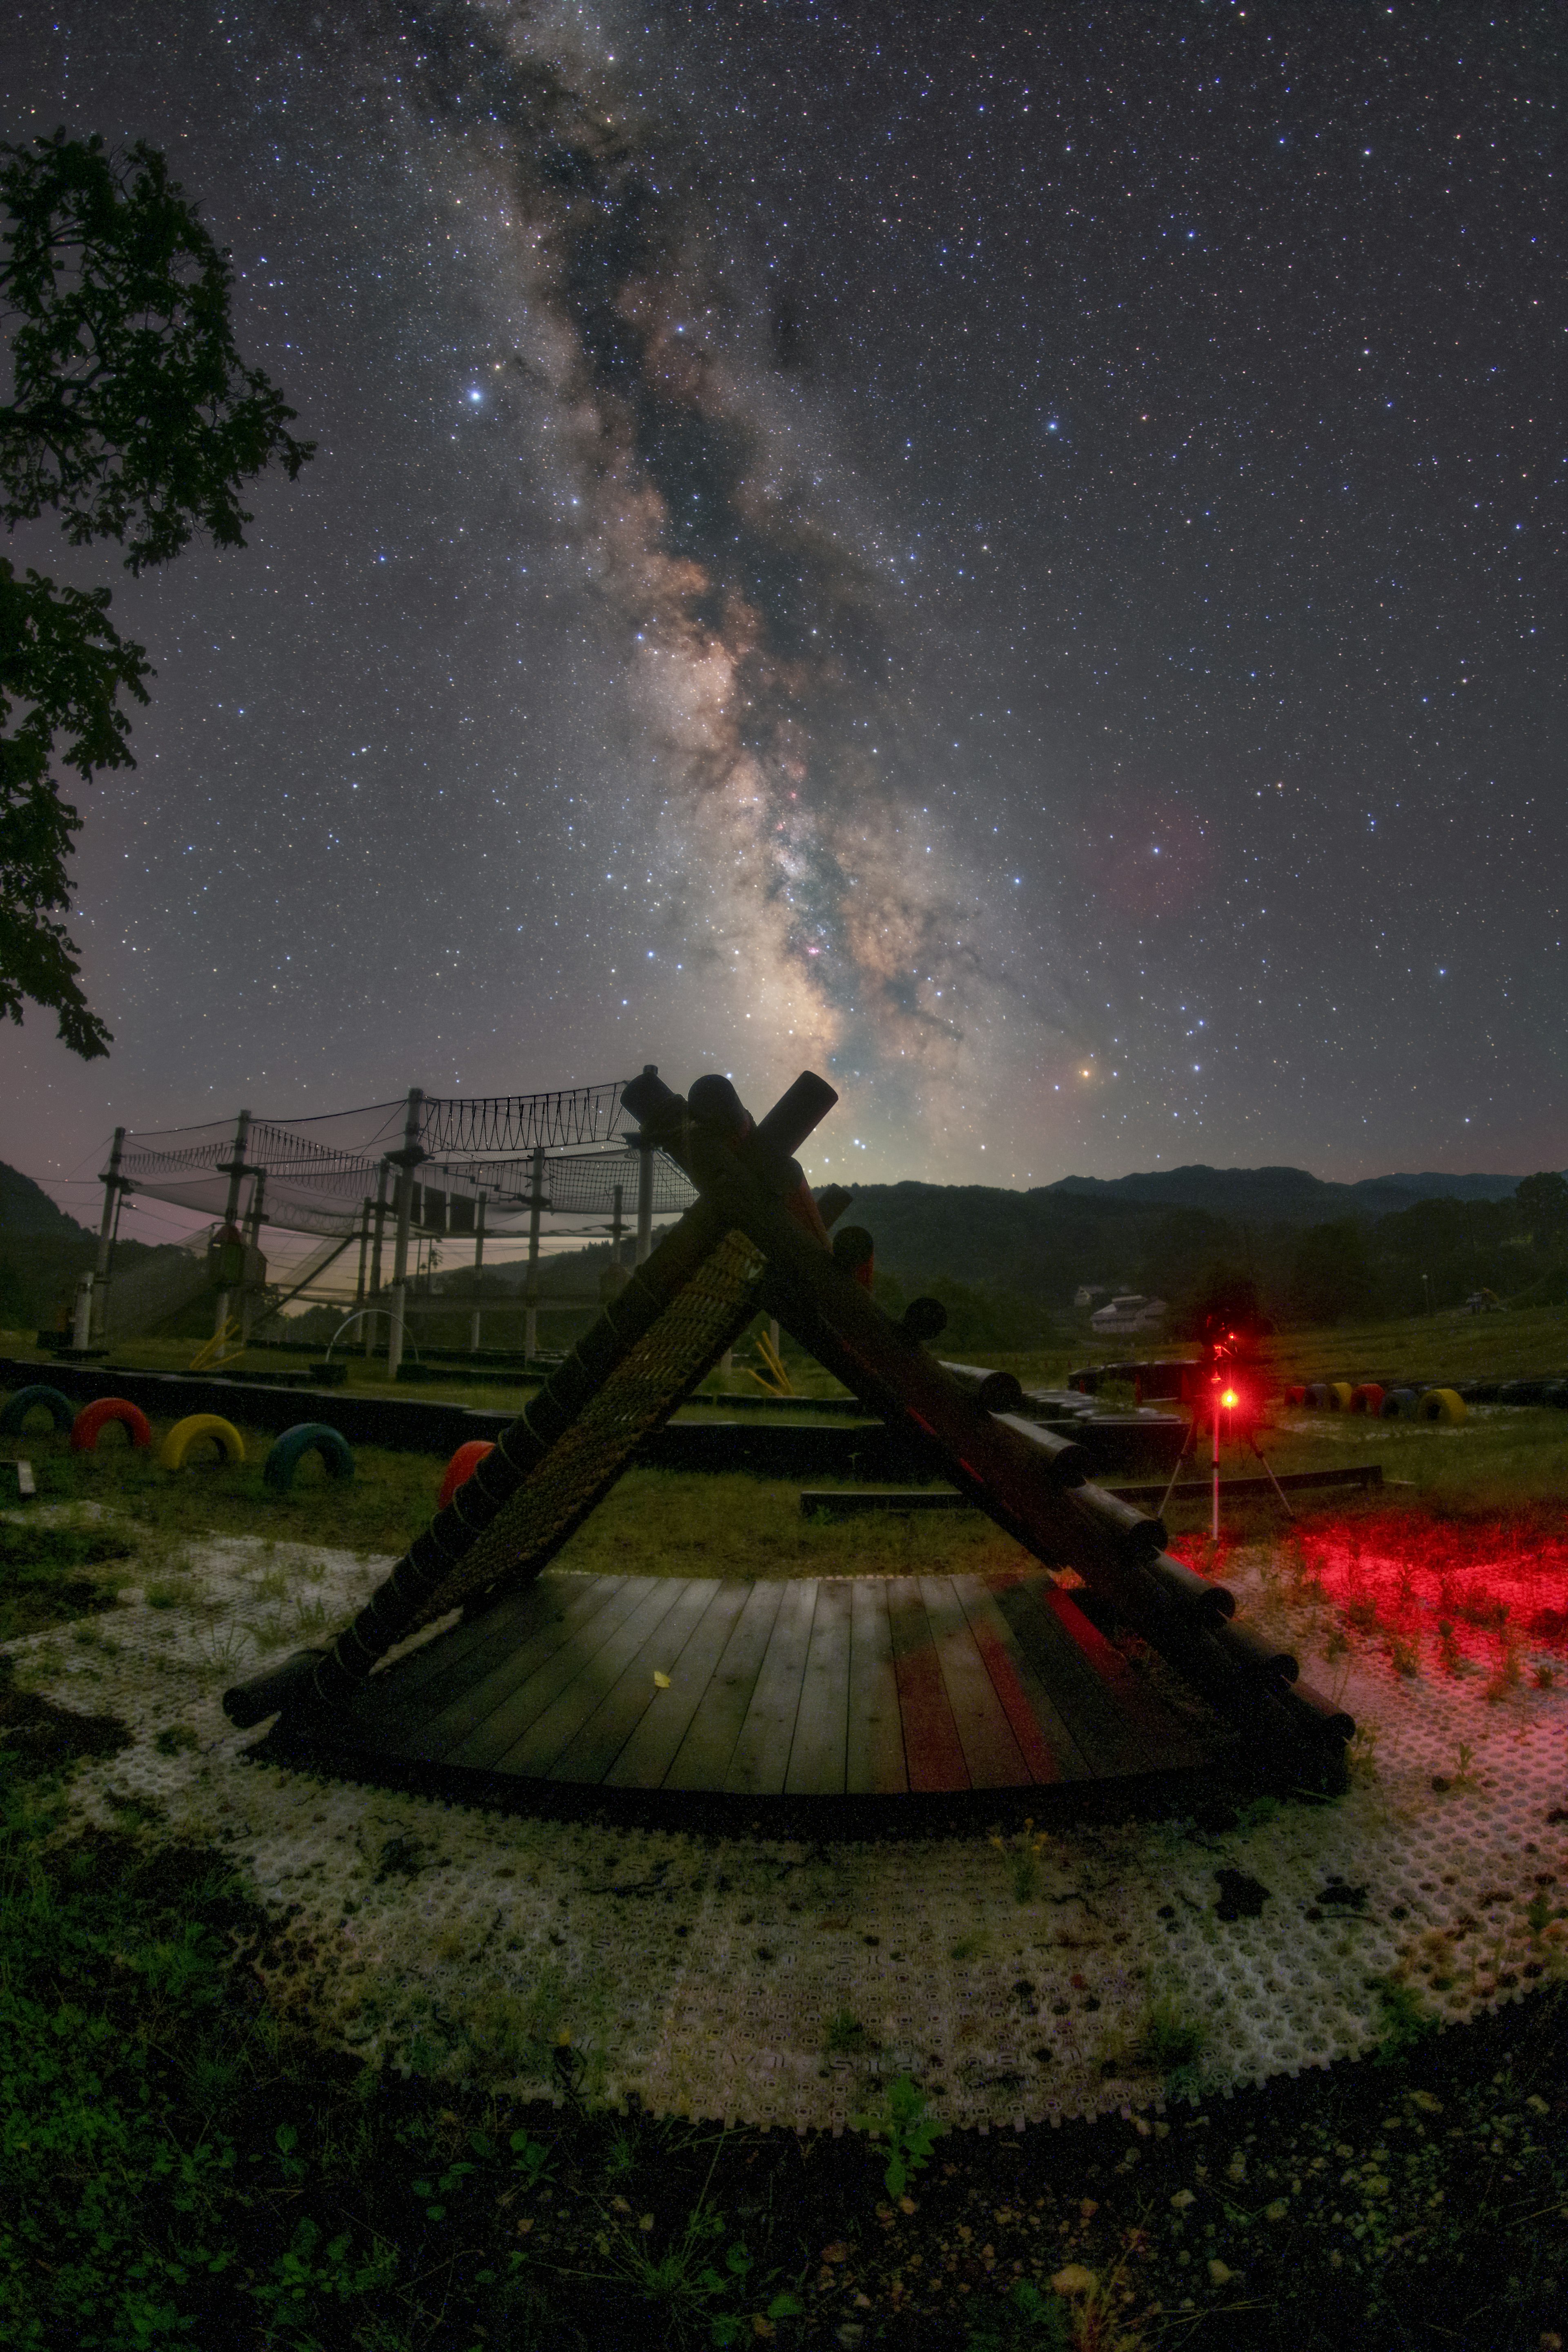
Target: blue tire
(1399, 1404)
(36, 1398)
(308, 1437)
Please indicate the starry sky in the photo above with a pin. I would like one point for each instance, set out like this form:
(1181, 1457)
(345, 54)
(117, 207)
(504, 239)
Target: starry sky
(1012, 555)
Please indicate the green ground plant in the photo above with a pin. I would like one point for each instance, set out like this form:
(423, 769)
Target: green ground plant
(910, 2131)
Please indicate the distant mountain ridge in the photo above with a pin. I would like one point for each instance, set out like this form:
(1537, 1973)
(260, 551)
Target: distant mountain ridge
(1280, 1195)
(27, 1209)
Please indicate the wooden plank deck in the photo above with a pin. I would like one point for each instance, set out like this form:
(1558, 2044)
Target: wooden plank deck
(815, 1688)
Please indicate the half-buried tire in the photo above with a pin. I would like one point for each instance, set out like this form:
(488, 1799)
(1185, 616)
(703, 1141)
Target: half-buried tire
(94, 1419)
(461, 1468)
(289, 1451)
(38, 1397)
(190, 1432)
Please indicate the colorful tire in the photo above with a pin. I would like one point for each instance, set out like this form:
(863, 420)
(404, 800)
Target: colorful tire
(94, 1419)
(1442, 1404)
(1315, 1396)
(289, 1451)
(1340, 1395)
(1367, 1399)
(1295, 1394)
(38, 1397)
(191, 1430)
(462, 1466)
(1398, 1404)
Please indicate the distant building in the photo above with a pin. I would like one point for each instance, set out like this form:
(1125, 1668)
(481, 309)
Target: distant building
(1130, 1312)
(1088, 1292)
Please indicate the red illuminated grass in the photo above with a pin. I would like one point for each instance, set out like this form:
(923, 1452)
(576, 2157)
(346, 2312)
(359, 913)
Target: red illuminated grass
(1435, 1591)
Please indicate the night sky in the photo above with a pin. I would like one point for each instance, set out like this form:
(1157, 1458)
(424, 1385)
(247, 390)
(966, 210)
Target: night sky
(1012, 556)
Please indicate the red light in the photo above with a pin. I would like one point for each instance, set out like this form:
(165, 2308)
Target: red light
(1230, 1399)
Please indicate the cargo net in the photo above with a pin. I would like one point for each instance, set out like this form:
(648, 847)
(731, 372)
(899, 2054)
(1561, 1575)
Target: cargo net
(644, 1389)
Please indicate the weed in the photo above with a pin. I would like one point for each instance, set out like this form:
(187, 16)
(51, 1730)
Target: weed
(1507, 1677)
(1023, 1859)
(170, 1592)
(1028, 2318)
(1406, 2024)
(693, 2281)
(1167, 2041)
(911, 2133)
(1403, 1656)
(311, 2272)
(531, 2159)
(1362, 1755)
(227, 1646)
(970, 1948)
(175, 1738)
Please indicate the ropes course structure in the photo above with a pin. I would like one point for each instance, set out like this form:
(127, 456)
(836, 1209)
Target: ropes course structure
(483, 1167)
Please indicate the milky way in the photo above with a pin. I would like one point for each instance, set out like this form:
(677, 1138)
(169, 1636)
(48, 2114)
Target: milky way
(1006, 559)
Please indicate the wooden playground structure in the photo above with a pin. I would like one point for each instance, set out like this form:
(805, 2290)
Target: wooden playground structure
(873, 1687)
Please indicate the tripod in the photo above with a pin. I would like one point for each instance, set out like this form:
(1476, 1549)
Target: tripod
(1224, 1399)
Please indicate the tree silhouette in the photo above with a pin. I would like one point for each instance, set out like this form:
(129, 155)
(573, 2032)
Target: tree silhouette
(133, 418)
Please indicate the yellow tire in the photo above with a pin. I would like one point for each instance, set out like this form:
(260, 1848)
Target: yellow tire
(1340, 1395)
(188, 1433)
(1441, 1404)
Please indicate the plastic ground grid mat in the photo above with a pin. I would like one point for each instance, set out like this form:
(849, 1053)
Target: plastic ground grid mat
(1009, 1966)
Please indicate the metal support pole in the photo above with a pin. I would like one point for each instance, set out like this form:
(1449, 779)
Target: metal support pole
(364, 1208)
(253, 1240)
(406, 1162)
(479, 1261)
(645, 1182)
(379, 1214)
(233, 1168)
(1216, 1413)
(536, 1202)
(617, 1225)
(106, 1232)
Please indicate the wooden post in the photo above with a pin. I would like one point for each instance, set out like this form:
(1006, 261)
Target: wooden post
(479, 1261)
(113, 1190)
(406, 1162)
(375, 1254)
(536, 1201)
(233, 1168)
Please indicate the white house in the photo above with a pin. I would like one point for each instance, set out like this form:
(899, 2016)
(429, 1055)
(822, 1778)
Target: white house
(1130, 1312)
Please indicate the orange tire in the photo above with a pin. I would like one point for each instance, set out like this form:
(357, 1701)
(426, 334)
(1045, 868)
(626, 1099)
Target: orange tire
(461, 1468)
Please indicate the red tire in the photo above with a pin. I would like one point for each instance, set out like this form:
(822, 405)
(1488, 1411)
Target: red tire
(1295, 1394)
(461, 1468)
(94, 1419)
(1367, 1400)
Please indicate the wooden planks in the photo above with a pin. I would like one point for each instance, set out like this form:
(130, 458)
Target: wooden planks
(874, 1763)
(818, 1754)
(860, 1687)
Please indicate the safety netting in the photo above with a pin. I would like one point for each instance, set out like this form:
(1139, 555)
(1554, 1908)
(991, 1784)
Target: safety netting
(566, 1152)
